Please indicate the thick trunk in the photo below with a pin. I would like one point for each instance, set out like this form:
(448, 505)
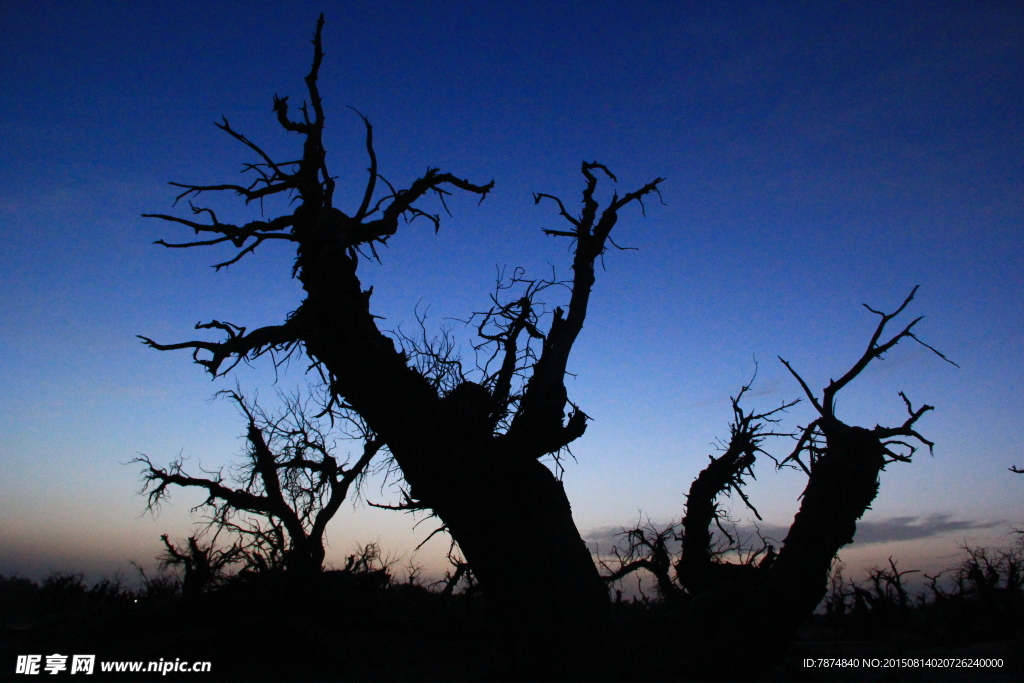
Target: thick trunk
(304, 557)
(696, 569)
(843, 484)
(514, 524)
(762, 613)
(506, 510)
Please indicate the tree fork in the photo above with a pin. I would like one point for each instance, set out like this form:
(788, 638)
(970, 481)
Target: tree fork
(843, 467)
(482, 478)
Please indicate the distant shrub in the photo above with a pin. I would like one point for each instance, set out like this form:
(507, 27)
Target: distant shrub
(19, 600)
(982, 600)
(62, 593)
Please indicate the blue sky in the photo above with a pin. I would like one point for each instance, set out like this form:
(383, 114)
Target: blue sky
(817, 157)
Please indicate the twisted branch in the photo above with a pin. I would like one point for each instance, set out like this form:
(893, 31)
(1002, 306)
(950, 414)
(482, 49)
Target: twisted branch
(238, 344)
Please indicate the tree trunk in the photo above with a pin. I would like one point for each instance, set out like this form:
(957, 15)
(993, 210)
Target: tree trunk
(514, 524)
(762, 613)
(474, 463)
(506, 510)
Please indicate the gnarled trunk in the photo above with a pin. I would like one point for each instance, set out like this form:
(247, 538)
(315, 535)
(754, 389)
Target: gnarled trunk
(514, 525)
(761, 609)
(507, 511)
(475, 463)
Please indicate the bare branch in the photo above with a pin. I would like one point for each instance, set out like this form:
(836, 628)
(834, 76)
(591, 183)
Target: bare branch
(803, 385)
(371, 183)
(805, 442)
(408, 504)
(539, 420)
(402, 203)
(257, 230)
(876, 350)
(238, 344)
(340, 487)
(157, 480)
(537, 196)
(225, 126)
(906, 429)
(247, 192)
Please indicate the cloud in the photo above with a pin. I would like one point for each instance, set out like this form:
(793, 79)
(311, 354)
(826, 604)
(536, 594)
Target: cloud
(912, 528)
(606, 536)
(868, 532)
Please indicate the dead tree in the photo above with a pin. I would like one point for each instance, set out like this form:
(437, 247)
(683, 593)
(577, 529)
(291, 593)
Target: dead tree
(288, 490)
(646, 548)
(702, 562)
(700, 566)
(756, 605)
(471, 455)
(842, 464)
(203, 566)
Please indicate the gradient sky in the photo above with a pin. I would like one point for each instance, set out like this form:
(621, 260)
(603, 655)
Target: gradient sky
(817, 156)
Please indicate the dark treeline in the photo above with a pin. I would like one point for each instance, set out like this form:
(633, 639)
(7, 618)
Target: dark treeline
(352, 624)
(359, 623)
(980, 600)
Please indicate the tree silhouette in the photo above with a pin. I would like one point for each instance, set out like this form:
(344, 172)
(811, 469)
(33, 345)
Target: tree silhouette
(469, 454)
(289, 489)
(469, 449)
(762, 600)
(203, 566)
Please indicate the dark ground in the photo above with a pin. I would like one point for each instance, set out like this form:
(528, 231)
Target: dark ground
(362, 628)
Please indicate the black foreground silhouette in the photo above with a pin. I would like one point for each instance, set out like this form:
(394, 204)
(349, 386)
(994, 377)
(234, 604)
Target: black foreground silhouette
(470, 453)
